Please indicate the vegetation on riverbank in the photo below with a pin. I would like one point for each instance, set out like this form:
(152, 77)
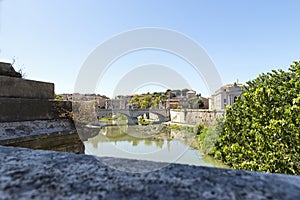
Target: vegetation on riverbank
(190, 129)
(201, 138)
(144, 122)
(209, 136)
(113, 119)
(262, 129)
(107, 119)
(206, 136)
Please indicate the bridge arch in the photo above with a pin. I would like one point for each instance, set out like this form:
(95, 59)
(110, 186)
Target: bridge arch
(132, 114)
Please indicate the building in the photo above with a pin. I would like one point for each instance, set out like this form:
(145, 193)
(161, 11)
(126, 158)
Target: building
(205, 103)
(172, 103)
(190, 94)
(185, 99)
(99, 99)
(120, 102)
(225, 96)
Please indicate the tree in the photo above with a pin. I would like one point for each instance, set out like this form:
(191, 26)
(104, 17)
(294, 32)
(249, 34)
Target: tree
(262, 128)
(58, 97)
(146, 101)
(155, 101)
(195, 103)
(135, 100)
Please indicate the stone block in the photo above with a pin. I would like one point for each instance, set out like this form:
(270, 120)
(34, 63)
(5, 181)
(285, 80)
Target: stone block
(6, 69)
(22, 88)
(16, 109)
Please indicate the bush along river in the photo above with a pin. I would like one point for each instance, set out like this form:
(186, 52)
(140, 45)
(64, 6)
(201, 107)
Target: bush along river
(152, 142)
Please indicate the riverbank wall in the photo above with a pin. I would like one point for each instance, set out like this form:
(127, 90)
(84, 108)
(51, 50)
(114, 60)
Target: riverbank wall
(31, 118)
(195, 116)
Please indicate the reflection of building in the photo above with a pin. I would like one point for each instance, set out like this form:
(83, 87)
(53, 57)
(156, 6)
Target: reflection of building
(225, 96)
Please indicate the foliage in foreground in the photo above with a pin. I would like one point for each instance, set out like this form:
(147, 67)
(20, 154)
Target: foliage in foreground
(262, 129)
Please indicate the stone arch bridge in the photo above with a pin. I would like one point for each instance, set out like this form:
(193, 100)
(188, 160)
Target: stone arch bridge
(132, 114)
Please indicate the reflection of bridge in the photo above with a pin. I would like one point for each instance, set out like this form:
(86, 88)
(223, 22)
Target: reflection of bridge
(132, 114)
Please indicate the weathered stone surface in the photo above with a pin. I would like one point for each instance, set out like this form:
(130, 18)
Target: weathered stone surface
(22, 88)
(195, 116)
(66, 141)
(25, 107)
(6, 69)
(18, 109)
(58, 135)
(11, 130)
(31, 174)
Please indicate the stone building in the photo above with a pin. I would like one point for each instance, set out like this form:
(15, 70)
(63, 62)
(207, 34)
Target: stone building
(190, 94)
(225, 96)
(99, 99)
(120, 102)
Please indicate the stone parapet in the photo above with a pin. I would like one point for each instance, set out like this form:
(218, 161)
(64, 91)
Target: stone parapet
(35, 174)
(11, 87)
(19, 109)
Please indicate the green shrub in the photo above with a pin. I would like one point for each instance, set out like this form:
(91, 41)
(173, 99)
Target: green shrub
(189, 129)
(174, 126)
(58, 97)
(178, 127)
(209, 136)
(262, 128)
(198, 128)
(144, 122)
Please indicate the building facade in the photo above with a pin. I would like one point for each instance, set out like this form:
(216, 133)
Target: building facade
(225, 96)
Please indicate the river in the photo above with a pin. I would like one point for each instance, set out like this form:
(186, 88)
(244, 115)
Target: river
(152, 143)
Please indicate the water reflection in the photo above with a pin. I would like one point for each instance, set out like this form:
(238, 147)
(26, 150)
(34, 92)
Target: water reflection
(145, 143)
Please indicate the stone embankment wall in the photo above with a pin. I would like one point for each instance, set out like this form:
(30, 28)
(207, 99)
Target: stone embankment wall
(195, 116)
(30, 117)
(29, 174)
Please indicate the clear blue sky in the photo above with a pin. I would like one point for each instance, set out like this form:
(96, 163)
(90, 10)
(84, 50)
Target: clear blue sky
(51, 39)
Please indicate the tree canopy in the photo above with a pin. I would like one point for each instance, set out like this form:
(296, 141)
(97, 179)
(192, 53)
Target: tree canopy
(262, 128)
